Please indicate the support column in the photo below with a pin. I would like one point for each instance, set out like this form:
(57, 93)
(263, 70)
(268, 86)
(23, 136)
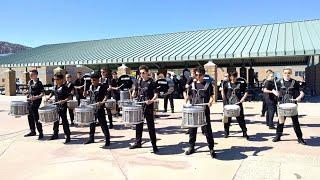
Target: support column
(123, 69)
(211, 70)
(10, 82)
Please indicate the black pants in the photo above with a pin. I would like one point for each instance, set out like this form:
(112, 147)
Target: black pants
(78, 97)
(296, 127)
(271, 107)
(63, 115)
(148, 114)
(101, 116)
(109, 116)
(207, 129)
(71, 114)
(240, 119)
(264, 105)
(170, 97)
(33, 118)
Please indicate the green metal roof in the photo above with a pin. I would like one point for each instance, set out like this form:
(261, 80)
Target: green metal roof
(300, 38)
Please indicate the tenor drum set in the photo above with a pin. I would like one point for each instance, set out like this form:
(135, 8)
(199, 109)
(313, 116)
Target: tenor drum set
(193, 116)
(18, 108)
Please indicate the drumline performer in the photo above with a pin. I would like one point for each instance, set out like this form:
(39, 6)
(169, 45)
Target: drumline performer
(106, 81)
(98, 96)
(115, 90)
(79, 87)
(236, 94)
(147, 92)
(61, 96)
(169, 94)
(70, 87)
(289, 92)
(35, 93)
(162, 86)
(201, 92)
(270, 98)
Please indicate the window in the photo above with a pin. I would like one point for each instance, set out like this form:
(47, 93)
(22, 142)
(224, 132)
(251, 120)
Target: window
(299, 73)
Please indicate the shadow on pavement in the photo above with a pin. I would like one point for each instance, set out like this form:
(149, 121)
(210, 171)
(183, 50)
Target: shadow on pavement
(237, 152)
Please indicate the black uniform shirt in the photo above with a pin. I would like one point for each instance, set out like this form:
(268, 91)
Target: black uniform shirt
(35, 89)
(70, 86)
(60, 93)
(289, 90)
(269, 85)
(125, 82)
(79, 82)
(203, 93)
(162, 85)
(147, 89)
(97, 93)
(238, 88)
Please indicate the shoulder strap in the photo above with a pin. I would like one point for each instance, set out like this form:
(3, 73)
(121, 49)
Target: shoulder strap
(206, 86)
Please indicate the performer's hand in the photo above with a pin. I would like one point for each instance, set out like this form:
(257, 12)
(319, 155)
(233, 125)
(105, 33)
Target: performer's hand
(276, 93)
(210, 104)
(148, 102)
(109, 89)
(297, 100)
(33, 98)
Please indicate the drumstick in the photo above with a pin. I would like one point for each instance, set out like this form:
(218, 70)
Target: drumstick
(202, 104)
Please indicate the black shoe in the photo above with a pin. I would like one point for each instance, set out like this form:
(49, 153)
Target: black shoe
(40, 136)
(155, 149)
(245, 135)
(164, 111)
(212, 153)
(188, 131)
(301, 141)
(30, 134)
(277, 138)
(272, 127)
(172, 111)
(111, 126)
(67, 140)
(90, 140)
(97, 124)
(226, 135)
(134, 146)
(72, 124)
(107, 143)
(190, 151)
(54, 136)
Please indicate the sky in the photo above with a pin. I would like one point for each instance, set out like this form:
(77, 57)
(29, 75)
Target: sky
(38, 22)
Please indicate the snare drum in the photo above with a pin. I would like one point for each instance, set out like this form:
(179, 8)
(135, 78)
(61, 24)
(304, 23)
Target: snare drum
(48, 114)
(193, 116)
(125, 103)
(288, 109)
(132, 114)
(110, 104)
(84, 115)
(72, 104)
(231, 110)
(84, 102)
(19, 108)
(124, 95)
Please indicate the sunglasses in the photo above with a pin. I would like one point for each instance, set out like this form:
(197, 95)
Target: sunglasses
(143, 72)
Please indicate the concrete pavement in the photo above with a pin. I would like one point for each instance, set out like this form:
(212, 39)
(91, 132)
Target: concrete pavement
(237, 158)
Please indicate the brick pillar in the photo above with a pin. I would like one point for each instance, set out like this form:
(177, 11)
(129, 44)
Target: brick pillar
(10, 84)
(123, 69)
(211, 70)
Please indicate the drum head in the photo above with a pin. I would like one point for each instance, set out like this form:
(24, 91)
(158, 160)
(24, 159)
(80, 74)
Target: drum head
(288, 106)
